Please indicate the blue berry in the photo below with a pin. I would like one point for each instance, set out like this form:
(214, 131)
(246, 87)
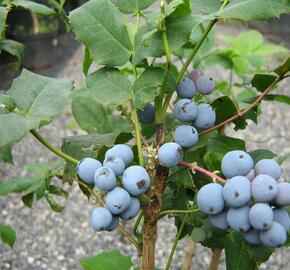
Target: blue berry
(205, 85)
(115, 163)
(186, 88)
(282, 217)
(132, 210)
(186, 136)
(117, 200)
(236, 163)
(185, 110)
(136, 180)
(238, 219)
(261, 216)
(122, 151)
(105, 179)
(195, 74)
(269, 167)
(219, 220)
(252, 237)
(147, 114)
(170, 154)
(264, 188)
(114, 224)
(210, 199)
(237, 191)
(86, 169)
(206, 116)
(283, 195)
(100, 219)
(274, 237)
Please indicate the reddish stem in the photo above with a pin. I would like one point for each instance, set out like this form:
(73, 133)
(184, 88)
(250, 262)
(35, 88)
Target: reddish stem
(242, 112)
(204, 171)
(146, 144)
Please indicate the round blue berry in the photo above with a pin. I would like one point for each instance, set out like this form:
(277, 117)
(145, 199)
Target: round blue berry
(186, 136)
(170, 154)
(105, 179)
(185, 110)
(86, 169)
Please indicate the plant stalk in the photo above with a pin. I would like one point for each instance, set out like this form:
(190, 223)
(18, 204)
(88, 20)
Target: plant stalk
(215, 257)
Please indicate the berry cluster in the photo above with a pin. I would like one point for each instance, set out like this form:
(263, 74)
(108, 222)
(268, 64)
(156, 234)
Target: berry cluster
(251, 201)
(122, 183)
(201, 116)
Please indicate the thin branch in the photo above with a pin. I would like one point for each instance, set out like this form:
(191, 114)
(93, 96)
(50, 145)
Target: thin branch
(189, 254)
(121, 230)
(52, 148)
(175, 242)
(177, 211)
(215, 257)
(242, 112)
(195, 167)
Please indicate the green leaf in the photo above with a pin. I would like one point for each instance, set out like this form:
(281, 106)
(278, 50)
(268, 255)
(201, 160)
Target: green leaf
(34, 7)
(15, 49)
(283, 158)
(58, 191)
(263, 81)
(13, 127)
(107, 261)
(6, 154)
(249, 10)
(224, 108)
(182, 177)
(28, 199)
(278, 98)
(7, 101)
(259, 154)
(237, 257)
(87, 61)
(100, 26)
(270, 49)
(198, 235)
(3, 15)
(259, 254)
(110, 87)
(7, 235)
(205, 6)
(18, 185)
(53, 204)
(93, 117)
(284, 68)
(40, 96)
(133, 6)
(217, 147)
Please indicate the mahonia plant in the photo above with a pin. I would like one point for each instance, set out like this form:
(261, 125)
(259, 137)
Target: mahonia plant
(155, 123)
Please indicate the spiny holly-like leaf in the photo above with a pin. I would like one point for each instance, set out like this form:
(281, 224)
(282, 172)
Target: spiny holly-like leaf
(110, 87)
(87, 61)
(40, 96)
(107, 261)
(259, 154)
(13, 127)
(34, 7)
(224, 108)
(93, 117)
(237, 257)
(100, 26)
(259, 254)
(53, 204)
(278, 98)
(182, 177)
(283, 69)
(133, 6)
(14, 48)
(249, 10)
(7, 235)
(263, 81)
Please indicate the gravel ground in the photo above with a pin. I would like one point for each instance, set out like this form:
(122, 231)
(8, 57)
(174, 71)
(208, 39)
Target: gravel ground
(52, 241)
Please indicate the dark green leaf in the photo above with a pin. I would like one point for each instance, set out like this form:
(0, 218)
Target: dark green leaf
(259, 154)
(110, 87)
(15, 49)
(58, 191)
(278, 98)
(224, 108)
(133, 6)
(93, 117)
(283, 158)
(7, 235)
(100, 26)
(6, 154)
(34, 7)
(182, 177)
(28, 199)
(263, 81)
(205, 6)
(107, 261)
(237, 257)
(3, 15)
(87, 61)
(53, 204)
(283, 69)
(40, 96)
(259, 254)
(249, 10)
